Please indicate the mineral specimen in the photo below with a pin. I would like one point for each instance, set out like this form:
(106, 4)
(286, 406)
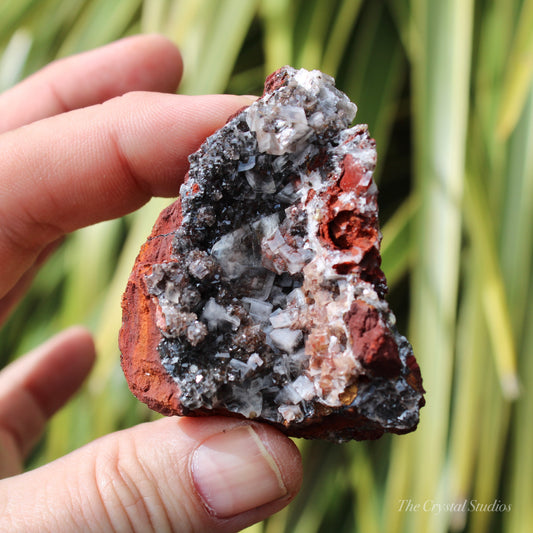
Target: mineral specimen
(259, 292)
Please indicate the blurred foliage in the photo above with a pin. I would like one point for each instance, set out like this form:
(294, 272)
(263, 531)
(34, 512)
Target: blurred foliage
(446, 88)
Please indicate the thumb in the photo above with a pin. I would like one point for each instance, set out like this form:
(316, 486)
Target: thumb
(210, 474)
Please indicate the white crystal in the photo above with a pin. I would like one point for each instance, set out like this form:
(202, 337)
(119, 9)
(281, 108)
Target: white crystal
(215, 314)
(266, 226)
(312, 80)
(288, 394)
(228, 251)
(283, 318)
(199, 269)
(296, 297)
(156, 276)
(254, 361)
(172, 293)
(292, 260)
(248, 165)
(295, 260)
(280, 162)
(288, 194)
(259, 309)
(286, 339)
(290, 413)
(280, 131)
(248, 405)
(239, 366)
(304, 387)
(317, 120)
(274, 241)
(196, 332)
(299, 359)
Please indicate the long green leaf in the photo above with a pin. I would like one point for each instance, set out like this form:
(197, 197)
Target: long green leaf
(469, 392)
(101, 22)
(338, 40)
(279, 21)
(441, 81)
(12, 16)
(492, 291)
(520, 479)
(519, 73)
(397, 251)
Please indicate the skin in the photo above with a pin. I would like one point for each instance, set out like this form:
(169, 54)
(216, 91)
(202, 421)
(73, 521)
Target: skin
(87, 139)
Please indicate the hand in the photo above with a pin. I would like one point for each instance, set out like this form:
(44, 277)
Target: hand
(77, 148)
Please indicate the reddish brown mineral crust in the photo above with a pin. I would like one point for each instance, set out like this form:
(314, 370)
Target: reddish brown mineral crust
(379, 390)
(139, 336)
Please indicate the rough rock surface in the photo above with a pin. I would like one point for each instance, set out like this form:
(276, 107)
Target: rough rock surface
(259, 292)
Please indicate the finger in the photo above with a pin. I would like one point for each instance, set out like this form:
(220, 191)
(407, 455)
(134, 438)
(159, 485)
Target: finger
(94, 164)
(182, 475)
(8, 302)
(35, 386)
(147, 62)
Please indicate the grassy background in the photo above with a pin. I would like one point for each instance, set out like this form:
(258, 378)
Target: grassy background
(446, 88)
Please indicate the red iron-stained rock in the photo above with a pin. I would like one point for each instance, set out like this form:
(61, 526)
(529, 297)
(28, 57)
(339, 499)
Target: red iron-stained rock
(259, 292)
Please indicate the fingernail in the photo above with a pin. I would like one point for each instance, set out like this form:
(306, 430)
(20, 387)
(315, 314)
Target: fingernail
(234, 472)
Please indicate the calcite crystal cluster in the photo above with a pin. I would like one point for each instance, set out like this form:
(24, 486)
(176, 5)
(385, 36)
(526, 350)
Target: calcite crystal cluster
(259, 293)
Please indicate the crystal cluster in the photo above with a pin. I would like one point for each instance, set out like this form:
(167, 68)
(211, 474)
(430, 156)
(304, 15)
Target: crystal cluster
(265, 292)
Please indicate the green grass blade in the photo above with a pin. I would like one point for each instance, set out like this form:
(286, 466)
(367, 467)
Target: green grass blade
(13, 59)
(441, 84)
(469, 392)
(12, 16)
(518, 241)
(364, 486)
(99, 23)
(496, 31)
(397, 250)
(398, 487)
(337, 43)
(492, 291)
(209, 53)
(493, 427)
(520, 478)
(188, 25)
(516, 228)
(519, 73)
(375, 91)
(278, 22)
(154, 15)
(311, 49)
(232, 26)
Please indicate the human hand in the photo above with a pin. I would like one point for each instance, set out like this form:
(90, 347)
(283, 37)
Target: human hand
(76, 152)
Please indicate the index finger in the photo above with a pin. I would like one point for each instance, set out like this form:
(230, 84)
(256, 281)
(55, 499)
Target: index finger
(96, 163)
(140, 62)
